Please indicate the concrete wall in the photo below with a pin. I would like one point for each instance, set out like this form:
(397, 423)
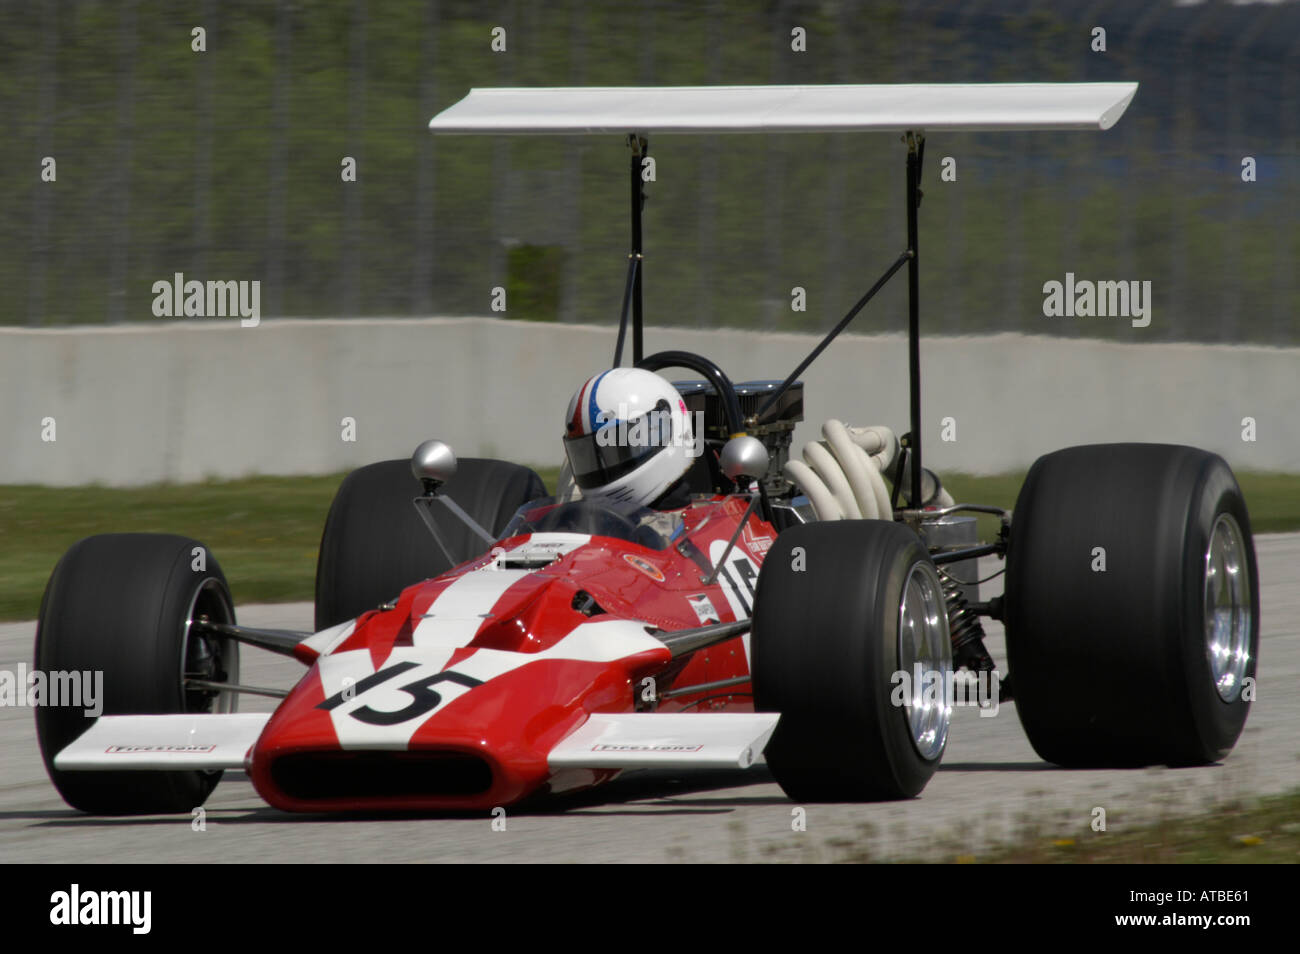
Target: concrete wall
(181, 401)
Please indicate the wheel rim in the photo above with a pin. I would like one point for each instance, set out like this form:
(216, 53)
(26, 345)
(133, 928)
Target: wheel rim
(207, 658)
(1227, 607)
(924, 646)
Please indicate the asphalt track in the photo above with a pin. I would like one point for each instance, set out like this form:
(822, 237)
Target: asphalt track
(990, 787)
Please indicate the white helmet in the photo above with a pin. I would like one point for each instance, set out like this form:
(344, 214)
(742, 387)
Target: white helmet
(627, 437)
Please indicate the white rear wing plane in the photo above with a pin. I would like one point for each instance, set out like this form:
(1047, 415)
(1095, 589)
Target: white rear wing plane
(770, 109)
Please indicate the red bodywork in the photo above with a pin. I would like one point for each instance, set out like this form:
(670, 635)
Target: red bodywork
(458, 693)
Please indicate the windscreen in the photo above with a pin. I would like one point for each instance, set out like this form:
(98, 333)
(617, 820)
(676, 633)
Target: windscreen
(653, 529)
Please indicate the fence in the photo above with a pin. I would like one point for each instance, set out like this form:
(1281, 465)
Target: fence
(228, 164)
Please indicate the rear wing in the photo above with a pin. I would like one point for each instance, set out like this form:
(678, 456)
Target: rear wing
(910, 109)
(991, 107)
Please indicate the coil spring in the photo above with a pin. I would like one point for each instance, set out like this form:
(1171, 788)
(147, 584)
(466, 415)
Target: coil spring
(964, 624)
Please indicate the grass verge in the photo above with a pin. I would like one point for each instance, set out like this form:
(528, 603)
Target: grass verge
(1265, 832)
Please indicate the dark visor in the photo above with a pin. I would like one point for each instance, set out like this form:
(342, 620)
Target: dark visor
(618, 448)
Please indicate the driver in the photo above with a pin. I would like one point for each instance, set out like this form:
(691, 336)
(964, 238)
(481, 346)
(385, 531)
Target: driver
(629, 443)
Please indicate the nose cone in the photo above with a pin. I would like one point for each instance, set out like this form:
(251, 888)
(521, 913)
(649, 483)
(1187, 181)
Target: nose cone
(310, 758)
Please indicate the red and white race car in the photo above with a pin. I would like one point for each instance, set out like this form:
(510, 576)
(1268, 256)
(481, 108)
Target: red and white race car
(489, 644)
(576, 641)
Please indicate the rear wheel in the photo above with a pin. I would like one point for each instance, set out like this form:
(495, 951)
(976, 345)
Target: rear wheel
(375, 545)
(1132, 606)
(121, 605)
(850, 645)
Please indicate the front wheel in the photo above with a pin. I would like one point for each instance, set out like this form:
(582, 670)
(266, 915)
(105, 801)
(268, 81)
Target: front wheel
(850, 645)
(1132, 606)
(118, 609)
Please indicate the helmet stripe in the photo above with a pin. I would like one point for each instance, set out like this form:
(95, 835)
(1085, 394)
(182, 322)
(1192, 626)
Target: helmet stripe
(593, 411)
(575, 425)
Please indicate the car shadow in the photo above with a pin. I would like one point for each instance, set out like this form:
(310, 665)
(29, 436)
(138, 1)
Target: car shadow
(658, 793)
(638, 792)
